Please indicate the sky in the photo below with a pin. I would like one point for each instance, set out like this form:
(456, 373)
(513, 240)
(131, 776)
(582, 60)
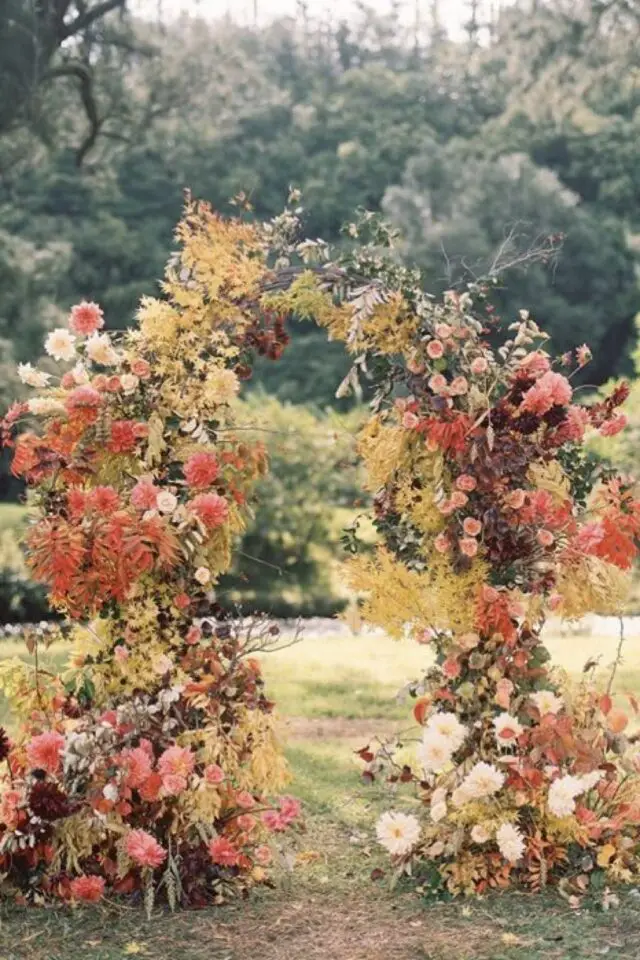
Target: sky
(453, 12)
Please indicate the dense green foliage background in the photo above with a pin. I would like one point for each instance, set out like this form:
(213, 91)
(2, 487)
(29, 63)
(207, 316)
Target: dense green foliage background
(512, 152)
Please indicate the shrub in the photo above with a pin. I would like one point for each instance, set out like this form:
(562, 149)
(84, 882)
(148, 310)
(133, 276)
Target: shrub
(286, 562)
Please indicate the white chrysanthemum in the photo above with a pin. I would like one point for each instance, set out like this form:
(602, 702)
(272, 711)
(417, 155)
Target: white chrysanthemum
(547, 702)
(166, 502)
(398, 833)
(507, 729)
(448, 726)
(435, 751)
(43, 406)
(202, 575)
(129, 382)
(480, 834)
(100, 350)
(483, 780)
(60, 344)
(562, 795)
(31, 376)
(510, 842)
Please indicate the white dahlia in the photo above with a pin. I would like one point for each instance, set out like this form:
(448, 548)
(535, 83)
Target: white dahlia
(31, 376)
(483, 780)
(562, 795)
(100, 350)
(448, 726)
(507, 729)
(480, 834)
(60, 344)
(510, 842)
(547, 702)
(398, 833)
(435, 751)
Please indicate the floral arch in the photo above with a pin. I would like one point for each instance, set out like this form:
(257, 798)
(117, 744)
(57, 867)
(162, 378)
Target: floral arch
(153, 765)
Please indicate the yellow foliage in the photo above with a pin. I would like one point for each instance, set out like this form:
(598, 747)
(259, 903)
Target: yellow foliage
(591, 585)
(416, 491)
(306, 300)
(550, 477)
(382, 447)
(399, 599)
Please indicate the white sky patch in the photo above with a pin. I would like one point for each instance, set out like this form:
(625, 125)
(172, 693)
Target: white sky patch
(453, 13)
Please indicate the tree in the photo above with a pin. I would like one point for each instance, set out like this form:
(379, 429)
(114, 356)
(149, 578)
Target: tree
(466, 215)
(44, 41)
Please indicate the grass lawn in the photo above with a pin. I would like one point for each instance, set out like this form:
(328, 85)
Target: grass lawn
(333, 693)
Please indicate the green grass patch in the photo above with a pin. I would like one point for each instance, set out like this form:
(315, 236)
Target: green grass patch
(12, 516)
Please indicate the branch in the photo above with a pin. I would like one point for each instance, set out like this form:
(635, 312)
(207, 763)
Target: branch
(84, 76)
(89, 17)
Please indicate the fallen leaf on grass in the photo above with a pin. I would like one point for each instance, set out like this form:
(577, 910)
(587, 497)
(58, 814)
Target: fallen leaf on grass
(133, 947)
(308, 856)
(511, 940)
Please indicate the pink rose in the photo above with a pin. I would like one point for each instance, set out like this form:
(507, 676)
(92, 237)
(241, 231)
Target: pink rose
(472, 527)
(410, 421)
(466, 482)
(515, 499)
(441, 543)
(438, 383)
(468, 546)
(545, 538)
(214, 774)
(459, 386)
(435, 349)
(479, 366)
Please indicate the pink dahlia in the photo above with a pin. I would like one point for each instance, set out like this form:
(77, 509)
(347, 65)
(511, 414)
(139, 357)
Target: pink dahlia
(43, 751)
(535, 364)
(611, 427)
(144, 849)
(211, 508)
(83, 398)
(289, 809)
(588, 537)
(144, 495)
(176, 760)
(201, 470)
(137, 764)
(90, 889)
(273, 820)
(173, 785)
(551, 390)
(86, 318)
(223, 852)
(124, 436)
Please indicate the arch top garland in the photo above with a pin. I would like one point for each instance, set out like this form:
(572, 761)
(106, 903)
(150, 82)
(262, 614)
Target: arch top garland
(150, 766)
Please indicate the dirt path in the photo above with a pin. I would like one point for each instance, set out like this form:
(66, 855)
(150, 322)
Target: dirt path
(337, 728)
